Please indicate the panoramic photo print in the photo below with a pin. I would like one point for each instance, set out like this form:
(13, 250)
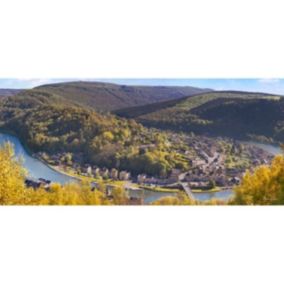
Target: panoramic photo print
(141, 141)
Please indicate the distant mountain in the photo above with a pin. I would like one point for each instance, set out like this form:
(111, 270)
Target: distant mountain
(235, 114)
(109, 97)
(9, 92)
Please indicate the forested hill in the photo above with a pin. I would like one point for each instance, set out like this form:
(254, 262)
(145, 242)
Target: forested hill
(50, 123)
(109, 97)
(235, 114)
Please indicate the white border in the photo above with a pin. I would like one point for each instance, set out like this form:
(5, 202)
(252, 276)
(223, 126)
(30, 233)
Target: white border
(136, 39)
(141, 245)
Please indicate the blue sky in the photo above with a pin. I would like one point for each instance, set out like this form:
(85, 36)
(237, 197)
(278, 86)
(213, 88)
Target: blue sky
(275, 86)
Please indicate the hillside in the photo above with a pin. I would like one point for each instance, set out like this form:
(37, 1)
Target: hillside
(49, 123)
(109, 97)
(235, 114)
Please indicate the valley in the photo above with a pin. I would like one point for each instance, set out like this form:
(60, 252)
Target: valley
(195, 141)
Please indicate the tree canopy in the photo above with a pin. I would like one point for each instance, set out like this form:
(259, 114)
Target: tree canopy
(47, 123)
(265, 186)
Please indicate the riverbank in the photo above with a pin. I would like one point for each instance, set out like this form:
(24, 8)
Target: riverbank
(274, 148)
(115, 182)
(215, 189)
(160, 189)
(13, 134)
(54, 168)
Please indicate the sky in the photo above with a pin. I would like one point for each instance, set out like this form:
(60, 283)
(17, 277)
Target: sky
(275, 86)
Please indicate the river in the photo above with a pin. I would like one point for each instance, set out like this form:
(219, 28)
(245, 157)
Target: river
(270, 148)
(38, 169)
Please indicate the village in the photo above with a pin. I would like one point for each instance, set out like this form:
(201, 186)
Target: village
(214, 164)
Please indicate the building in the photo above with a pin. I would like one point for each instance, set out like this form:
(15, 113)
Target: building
(40, 183)
(109, 189)
(141, 178)
(124, 175)
(199, 185)
(235, 180)
(96, 172)
(94, 185)
(176, 175)
(104, 173)
(88, 170)
(114, 174)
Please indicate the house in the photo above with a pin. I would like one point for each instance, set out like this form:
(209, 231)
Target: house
(114, 174)
(104, 173)
(94, 185)
(109, 189)
(40, 183)
(151, 180)
(176, 175)
(32, 183)
(199, 185)
(124, 175)
(235, 180)
(88, 170)
(96, 172)
(45, 183)
(221, 181)
(141, 178)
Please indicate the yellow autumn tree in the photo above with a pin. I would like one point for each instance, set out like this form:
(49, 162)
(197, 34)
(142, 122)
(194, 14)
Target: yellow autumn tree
(120, 196)
(14, 192)
(180, 199)
(70, 194)
(265, 186)
(12, 174)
